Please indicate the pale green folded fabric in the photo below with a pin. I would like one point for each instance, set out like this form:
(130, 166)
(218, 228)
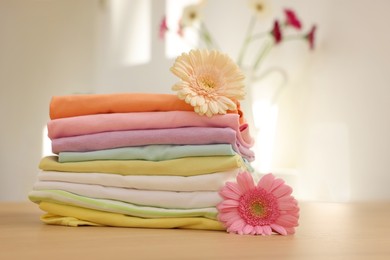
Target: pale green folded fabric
(67, 215)
(113, 206)
(149, 153)
(188, 166)
(152, 198)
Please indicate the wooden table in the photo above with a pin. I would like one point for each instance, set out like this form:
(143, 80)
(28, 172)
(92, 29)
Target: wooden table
(327, 231)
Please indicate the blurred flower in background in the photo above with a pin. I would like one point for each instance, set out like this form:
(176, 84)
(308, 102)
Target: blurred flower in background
(278, 33)
(263, 84)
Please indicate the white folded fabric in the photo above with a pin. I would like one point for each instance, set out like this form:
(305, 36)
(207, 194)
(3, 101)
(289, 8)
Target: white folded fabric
(206, 182)
(163, 199)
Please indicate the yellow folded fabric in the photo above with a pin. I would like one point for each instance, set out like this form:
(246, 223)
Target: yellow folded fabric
(188, 166)
(66, 215)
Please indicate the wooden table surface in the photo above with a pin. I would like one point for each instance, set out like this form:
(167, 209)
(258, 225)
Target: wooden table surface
(326, 231)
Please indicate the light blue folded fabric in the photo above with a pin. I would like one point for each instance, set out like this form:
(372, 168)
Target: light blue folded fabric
(149, 152)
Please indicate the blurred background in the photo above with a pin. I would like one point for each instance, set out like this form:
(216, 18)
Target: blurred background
(332, 135)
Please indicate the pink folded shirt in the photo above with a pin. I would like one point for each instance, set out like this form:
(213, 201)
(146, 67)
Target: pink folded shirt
(91, 124)
(179, 136)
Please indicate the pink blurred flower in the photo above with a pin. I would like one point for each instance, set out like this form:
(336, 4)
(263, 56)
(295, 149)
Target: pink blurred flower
(276, 32)
(163, 28)
(258, 210)
(180, 30)
(311, 36)
(292, 19)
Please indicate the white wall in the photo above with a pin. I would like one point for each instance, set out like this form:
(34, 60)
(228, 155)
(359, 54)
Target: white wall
(333, 122)
(47, 48)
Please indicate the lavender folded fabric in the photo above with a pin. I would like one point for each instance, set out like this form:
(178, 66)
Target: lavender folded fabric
(91, 124)
(181, 136)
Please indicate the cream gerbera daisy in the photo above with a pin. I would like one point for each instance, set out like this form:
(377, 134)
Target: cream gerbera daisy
(191, 15)
(210, 81)
(261, 7)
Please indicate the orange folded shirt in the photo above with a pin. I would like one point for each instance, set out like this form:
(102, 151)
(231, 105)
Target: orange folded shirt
(89, 104)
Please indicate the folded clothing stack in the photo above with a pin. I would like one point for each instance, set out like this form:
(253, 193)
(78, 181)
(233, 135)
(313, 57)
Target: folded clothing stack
(138, 160)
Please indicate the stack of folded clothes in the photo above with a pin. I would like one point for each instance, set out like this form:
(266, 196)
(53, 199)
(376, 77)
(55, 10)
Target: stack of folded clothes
(138, 160)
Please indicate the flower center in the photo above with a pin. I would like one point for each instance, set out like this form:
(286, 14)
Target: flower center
(258, 207)
(206, 83)
(259, 7)
(192, 15)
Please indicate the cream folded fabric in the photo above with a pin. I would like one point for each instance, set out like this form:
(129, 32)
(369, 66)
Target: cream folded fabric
(67, 215)
(67, 198)
(188, 166)
(163, 199)
(148, 152)
(205, 182)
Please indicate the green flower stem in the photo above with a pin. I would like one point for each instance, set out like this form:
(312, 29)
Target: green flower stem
(206, 36)
(267, 46)
(294, 37)
(258, 36)
(248, 39)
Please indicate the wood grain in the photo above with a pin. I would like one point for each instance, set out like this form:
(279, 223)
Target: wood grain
(327, 231)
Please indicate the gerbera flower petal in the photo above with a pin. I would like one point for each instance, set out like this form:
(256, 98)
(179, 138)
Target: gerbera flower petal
(259, 230)
(230, 191)
(276, 184)
(229, 204)
(287, 221)
(229, 217)
(286, 205)
(236, 226)
(245, 182)
(267, 230)
(281, 191)
(213, 82)
(279, 229)
(247, 229)
(266, 182)
(289, 230)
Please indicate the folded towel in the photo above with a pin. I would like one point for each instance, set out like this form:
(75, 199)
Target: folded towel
(76, 216)
(91, 124)
(162, 199)
(148, 152)
(78, 105)
(67, 198)
(205, 182)
(177, 167)
(175, 136)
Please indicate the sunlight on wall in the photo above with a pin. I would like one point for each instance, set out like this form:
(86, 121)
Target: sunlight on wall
(265, 121)
(46, 143)
(130, 41)
(175, 45)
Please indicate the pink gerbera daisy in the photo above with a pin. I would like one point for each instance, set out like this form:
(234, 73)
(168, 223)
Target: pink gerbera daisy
(258, 210)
